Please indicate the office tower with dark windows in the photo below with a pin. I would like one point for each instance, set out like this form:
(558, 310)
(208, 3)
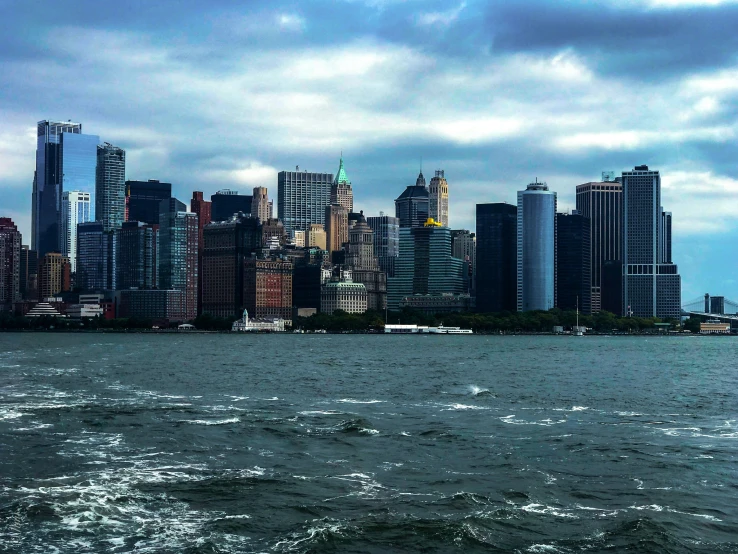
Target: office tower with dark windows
(341, 192)
(227, 245)
(464, 247)
(203, 209)
(652, 285)
(573, 262)
(96, 257)
(226, 203)
(178, 252)
(261, 206)
(425, 266)
(386, 231)
(137, 255)
(666, 237)
(110, 186)
(28, 273)
(412, 207)
(602, 204)
(496, 269)
(267, 288)
(65, 160)
(54, 275)
(536, 265)
(612, 287)
(336, 227)
(76, 209)
(302, 198)
(364, 265)
(143, 199)
(438, 198)
(10, 264)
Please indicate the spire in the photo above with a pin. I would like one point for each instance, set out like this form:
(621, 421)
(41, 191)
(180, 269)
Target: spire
(420, 181)
(341, 173)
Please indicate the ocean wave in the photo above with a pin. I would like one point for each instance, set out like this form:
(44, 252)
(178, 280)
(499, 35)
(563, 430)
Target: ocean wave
(354, 401)
(211, 421)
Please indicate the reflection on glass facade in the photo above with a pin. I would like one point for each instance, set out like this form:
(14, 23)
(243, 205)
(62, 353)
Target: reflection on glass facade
(76, 209)
(178, 251)
(65, 160)
(536, 248)
(95, 257)
(143, 199)
(110, 186)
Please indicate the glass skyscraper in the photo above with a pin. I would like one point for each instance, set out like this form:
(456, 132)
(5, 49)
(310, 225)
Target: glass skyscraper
(76, 208)
(496, 257)
(143, 199)
(536, 248)
(136, 256)
(110, 186)
(178, 252)
(96, 260)
(302, 198)
(65, 160)
(573, 262)
(386, 241)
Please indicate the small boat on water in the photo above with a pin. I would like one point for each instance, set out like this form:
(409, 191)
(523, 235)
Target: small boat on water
(425, 330)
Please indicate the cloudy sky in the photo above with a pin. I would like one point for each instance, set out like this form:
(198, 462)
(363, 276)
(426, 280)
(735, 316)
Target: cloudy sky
(220, 95)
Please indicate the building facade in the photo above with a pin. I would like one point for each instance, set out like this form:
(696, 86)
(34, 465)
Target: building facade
(412, 207)
(317, 237)
(302, 198)
(178, 252)
(347, 296)
(226, 203)
(96, 257)
(364, 265)
(336, 227)
(137, 261)
(203, 209)
(66, 159)
(54, 275)
(261, 206)
(386, 232)
(143, 199)
(76, 209)
(651, 285)
(28, 273)
(110, 186)
(496, 269)
(464, 247)
(155, 305)
(267, 288)
(341, 192)
(602, 204)
(438, 198)
(10, 264)
(573, 262)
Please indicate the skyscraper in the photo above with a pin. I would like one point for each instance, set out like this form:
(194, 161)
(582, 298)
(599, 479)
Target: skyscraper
(438, 198)
(573, 262)
(143, 199)
(364, 266)
(76, 208)
(652, 285)
(336, 227)
(302, 198)
(28, 273)
(464, 247)
(53, 275)
(110, 186)
(386, 231)
(10, 263)
(412, 207)
(267, 288)
(536, 264)
(425, 265)
(317, 237)
(341, 192)
(137, 259)
(96, 257)
(261, 206)
(225, 203)
(203, 210)
(178, 252)
(65, 160)
(497, 262)
(602, 204)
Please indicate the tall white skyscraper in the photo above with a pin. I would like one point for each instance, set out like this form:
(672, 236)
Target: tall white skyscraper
(76, 209)
(438, 191)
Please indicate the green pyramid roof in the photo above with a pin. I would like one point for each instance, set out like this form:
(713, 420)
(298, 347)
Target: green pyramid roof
(341, 174)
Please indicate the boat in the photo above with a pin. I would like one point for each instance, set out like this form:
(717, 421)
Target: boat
(425, 330)
(578, 330)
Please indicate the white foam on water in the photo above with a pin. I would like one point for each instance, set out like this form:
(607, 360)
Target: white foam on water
(628, 414)
(601, 512)
(211, 421)
(542, 509)
(320, 412)
(542, 548)
(544, 422)
(321, 530)
(354, 401)
(369, 431)
(451, 407)
(475, 390)
(572, 409)
(7, 414)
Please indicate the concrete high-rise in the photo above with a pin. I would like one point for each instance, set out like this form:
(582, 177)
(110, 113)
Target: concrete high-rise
(536, 245)
(364, 265)
(651, 285)
(143, 199)
(137, 261)
(438, 198)
(110, 186)
(573, 262)
(602, 204)
(497, 263)
(10, 264)
(341, 192)
(412, 207)
(54, 273)
(302, 198)
(96, 257)
(317, 237)
(336, 227)
(76, 208)
(226, 203)
(261, 206)
(65, 160)
(267, 288)
(178, 252)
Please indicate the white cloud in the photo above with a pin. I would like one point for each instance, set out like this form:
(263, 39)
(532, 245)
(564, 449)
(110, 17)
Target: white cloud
(290, 22)
(445, 18)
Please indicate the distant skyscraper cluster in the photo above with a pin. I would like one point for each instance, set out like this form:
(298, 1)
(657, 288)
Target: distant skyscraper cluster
(145, 254)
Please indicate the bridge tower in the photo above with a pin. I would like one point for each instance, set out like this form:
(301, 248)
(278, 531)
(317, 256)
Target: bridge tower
(707, 302)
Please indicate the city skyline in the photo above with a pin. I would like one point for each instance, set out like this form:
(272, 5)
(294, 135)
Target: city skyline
(604, 107)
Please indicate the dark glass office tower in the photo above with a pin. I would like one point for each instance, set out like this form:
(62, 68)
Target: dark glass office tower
(10, 264)
(302, 199)
(110, 186)
(412, 207)
(496, 271)
(143, 199)
(137, 255)
(178, 252)
(573, 262)
(612, 287)
(602, 203)
(225, 203)
(96, 263)
(386, 231)
(65, 160)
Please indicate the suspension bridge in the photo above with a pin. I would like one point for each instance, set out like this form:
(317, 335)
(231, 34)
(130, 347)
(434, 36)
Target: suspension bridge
(712, 307)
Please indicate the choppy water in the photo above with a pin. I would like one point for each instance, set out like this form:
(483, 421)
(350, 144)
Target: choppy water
(219, 443)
